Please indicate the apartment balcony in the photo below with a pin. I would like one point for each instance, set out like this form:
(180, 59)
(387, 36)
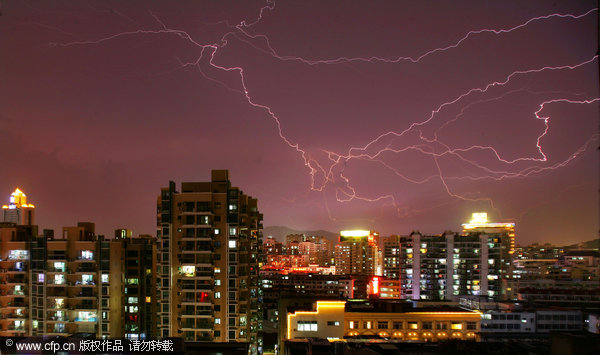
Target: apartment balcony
(12, 280)
(86, 269)
(14, 270)
(80, 283)
(193, 326)
(81, 259)
(12, 292)
(16, 304)
(57, 329)
(56, 319)
(198, 314)
(202, 252)
(58, 283)
(185, 286)
(84, 293)
(57, 332)
(85, 320)
(54, 270)
(14, 315)
(196, 277)
(196, 302)
(187, 238)
(56, 306)
(83, 305)
(17, 330)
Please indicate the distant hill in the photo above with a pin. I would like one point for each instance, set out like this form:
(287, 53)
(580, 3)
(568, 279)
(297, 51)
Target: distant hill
(590, 244)
(279, 233)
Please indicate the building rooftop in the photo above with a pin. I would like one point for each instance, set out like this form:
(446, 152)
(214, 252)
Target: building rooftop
(380, 306)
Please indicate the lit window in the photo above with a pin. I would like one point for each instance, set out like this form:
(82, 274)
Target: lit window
(217, 320)
(217, 231)
(18, 255)
(188, 270)
(87, 255)
(86, 317)
(59, 279)
(217, 294)
(307, 326)
(59, 266)
(232, 244)
(87, 279)
(104, 278)
(232, 231)
(456, 326)
(217, 270)
(217, 282)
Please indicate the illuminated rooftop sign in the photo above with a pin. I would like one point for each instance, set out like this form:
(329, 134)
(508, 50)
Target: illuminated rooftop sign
(355, 233)
(480, 220)
(17, 200)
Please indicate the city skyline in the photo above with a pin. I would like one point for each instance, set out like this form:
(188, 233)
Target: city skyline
(483, 107)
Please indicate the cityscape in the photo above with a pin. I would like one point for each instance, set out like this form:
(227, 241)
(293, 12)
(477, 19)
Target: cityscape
(209, 277)
(299, 177)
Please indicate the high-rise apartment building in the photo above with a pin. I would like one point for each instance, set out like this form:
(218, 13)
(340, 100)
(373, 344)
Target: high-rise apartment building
(16, 300)
(391, 257)
(139, 274)
(59, 286)
(83, 283)
(76, 282)
(209, 245)
(357, 253)
(479, 223)
(449, 265)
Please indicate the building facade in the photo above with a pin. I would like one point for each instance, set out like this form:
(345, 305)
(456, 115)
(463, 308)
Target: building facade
(65, 285)
(209, 249)
(335, 320)
(442, 267)
(357, 253)
(139, 272)
(391, 257)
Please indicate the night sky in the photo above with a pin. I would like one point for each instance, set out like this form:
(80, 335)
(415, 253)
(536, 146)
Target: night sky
(385, 115)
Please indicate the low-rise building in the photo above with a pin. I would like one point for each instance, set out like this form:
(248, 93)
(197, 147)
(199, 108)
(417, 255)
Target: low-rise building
(399, 321)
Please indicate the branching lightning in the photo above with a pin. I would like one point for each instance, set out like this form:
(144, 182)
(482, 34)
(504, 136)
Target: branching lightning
(331, 172)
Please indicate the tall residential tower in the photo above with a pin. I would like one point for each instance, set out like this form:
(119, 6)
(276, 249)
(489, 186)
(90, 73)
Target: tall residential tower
(209, 245)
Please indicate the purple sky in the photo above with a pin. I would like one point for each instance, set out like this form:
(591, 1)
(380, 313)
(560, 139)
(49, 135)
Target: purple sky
(385, 115)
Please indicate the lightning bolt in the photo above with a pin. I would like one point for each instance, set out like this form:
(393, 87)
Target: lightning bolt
(331, 171)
